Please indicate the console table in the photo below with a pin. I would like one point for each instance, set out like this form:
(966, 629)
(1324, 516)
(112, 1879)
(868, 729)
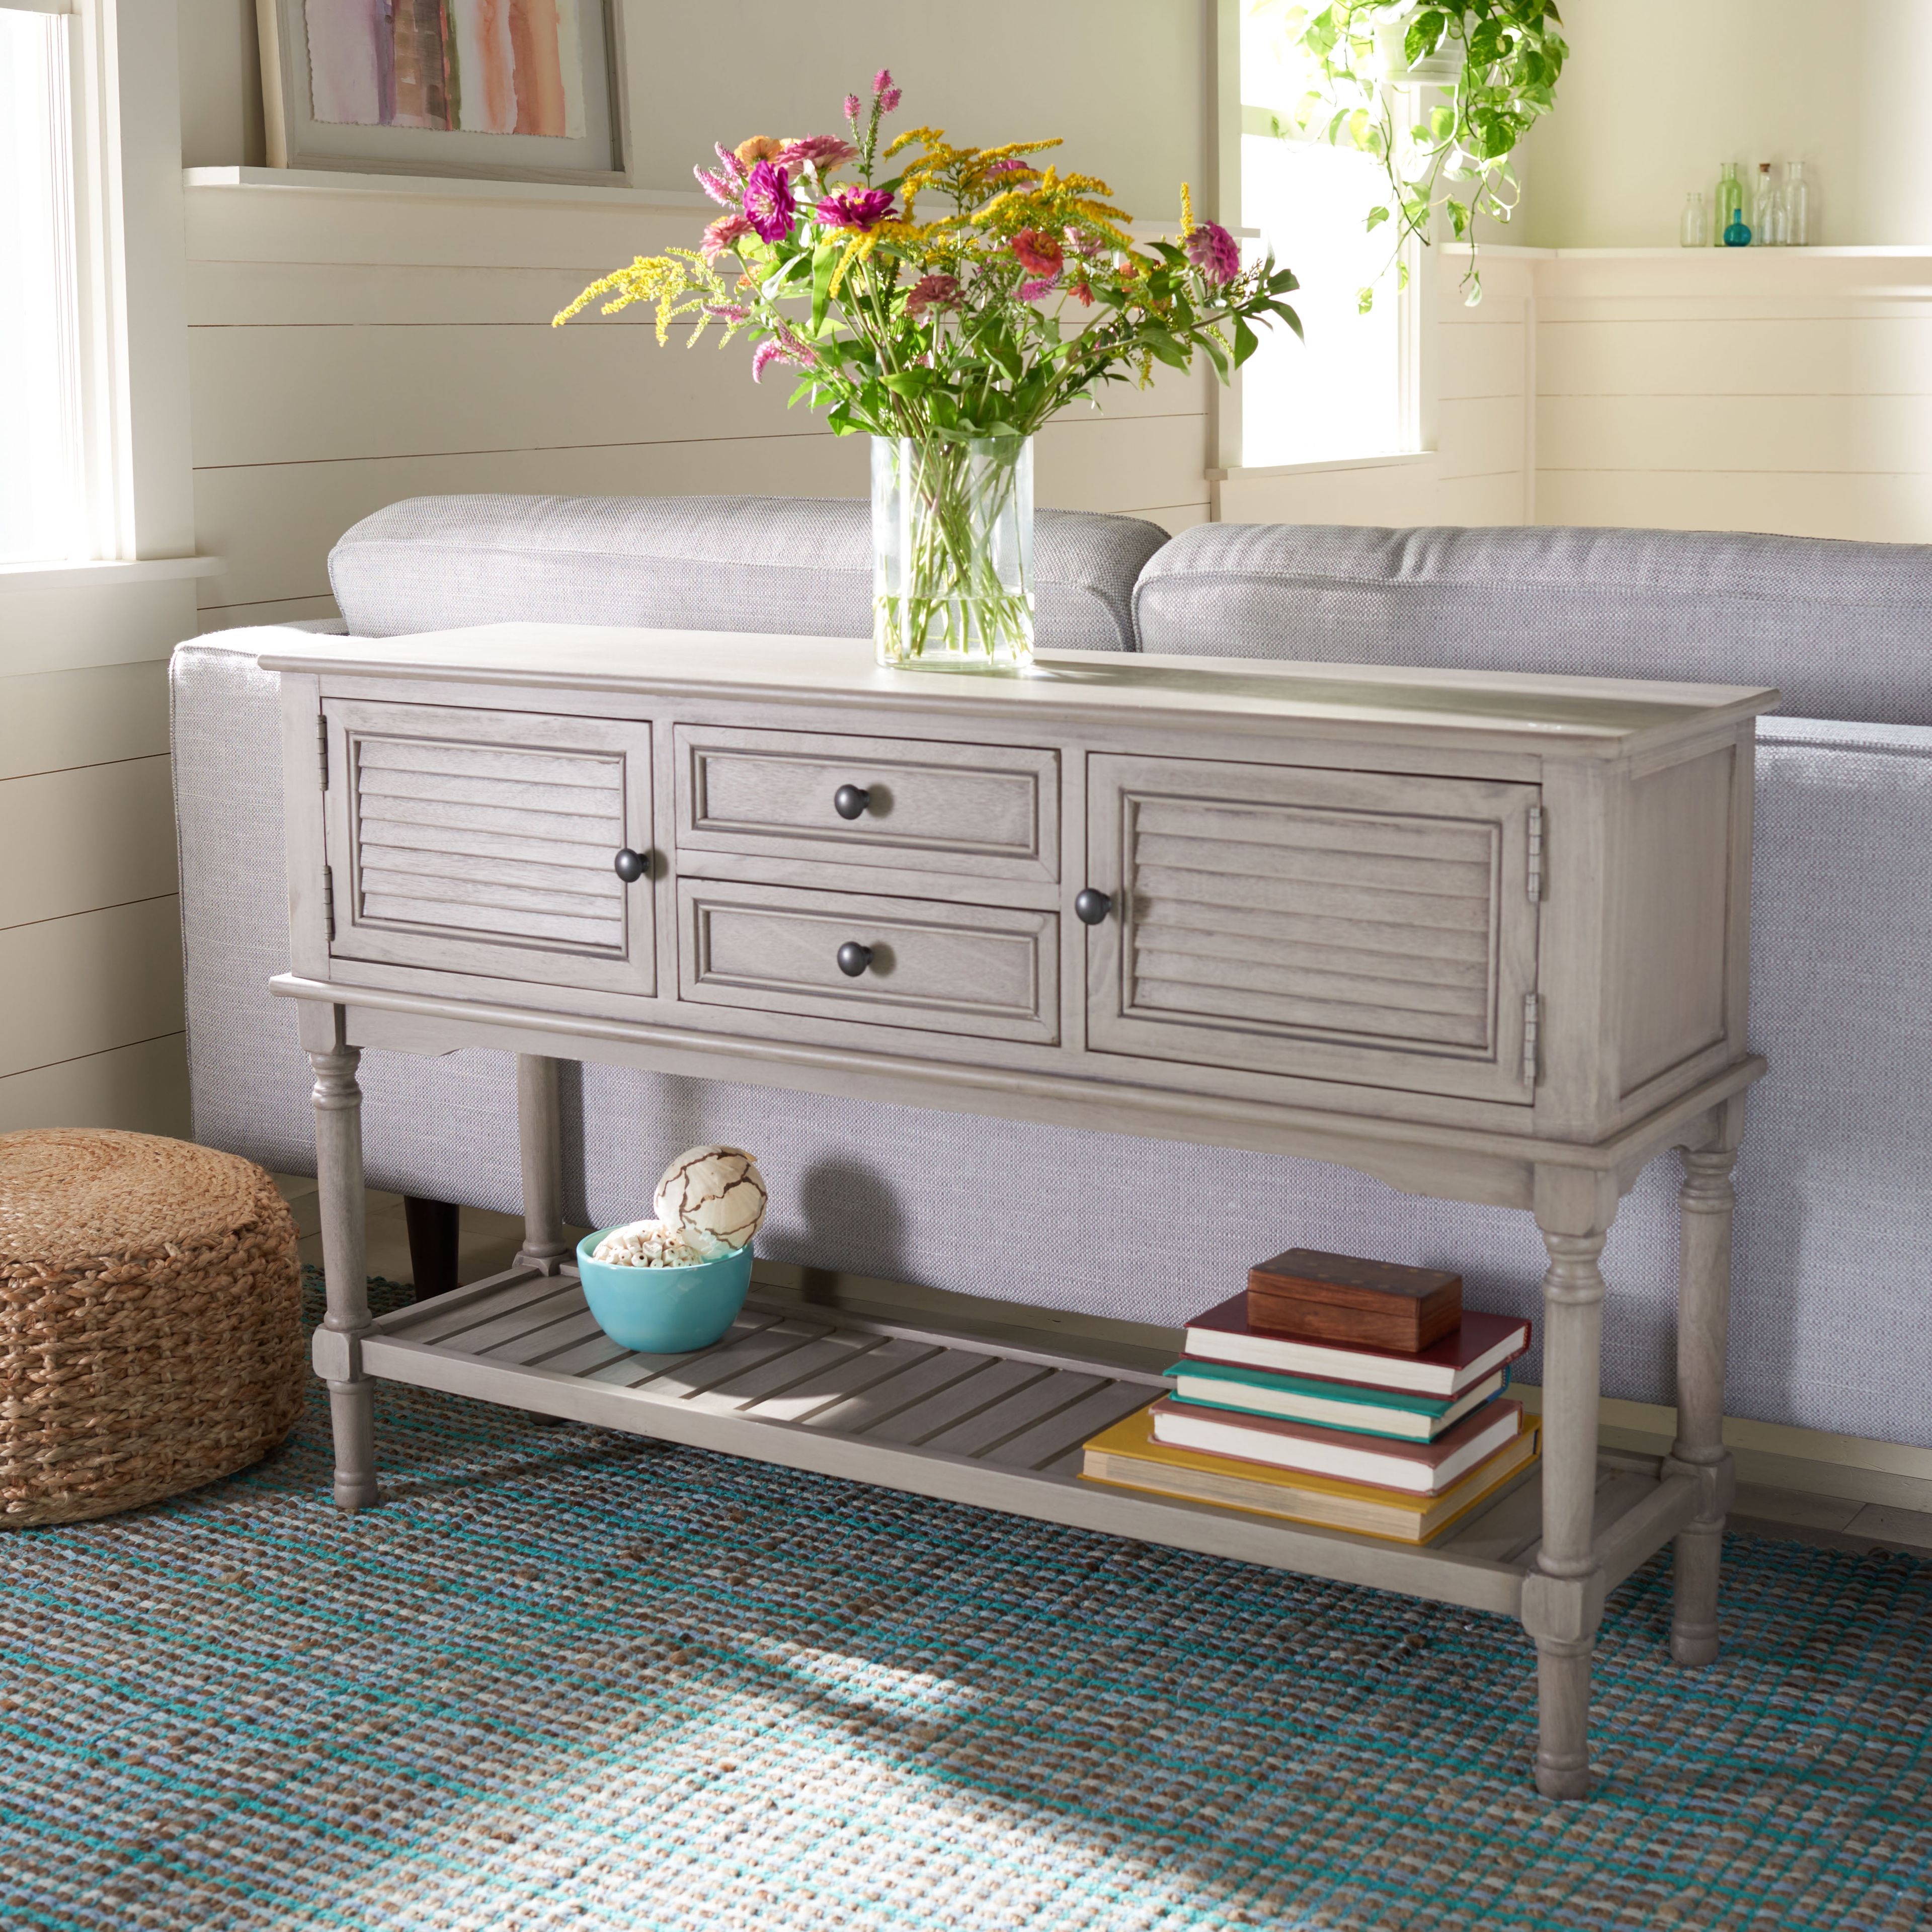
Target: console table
(1486, 938)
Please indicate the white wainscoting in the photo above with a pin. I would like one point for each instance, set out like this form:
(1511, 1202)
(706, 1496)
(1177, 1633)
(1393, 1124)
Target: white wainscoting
(1786, 390)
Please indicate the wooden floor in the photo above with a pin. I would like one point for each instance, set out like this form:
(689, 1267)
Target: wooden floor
(489, 1240)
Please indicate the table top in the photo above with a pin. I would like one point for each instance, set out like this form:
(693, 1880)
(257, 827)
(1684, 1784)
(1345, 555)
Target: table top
(1599, 717)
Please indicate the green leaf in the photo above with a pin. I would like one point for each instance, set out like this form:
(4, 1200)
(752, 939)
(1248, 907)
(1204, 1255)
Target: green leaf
(1365, 300)
(1246, 340)
(1163, 346)
(1377, 216)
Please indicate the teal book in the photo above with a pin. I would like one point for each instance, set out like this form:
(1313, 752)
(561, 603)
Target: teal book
(1326, 1404)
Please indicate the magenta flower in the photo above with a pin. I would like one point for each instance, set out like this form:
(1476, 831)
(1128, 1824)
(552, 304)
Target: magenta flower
(931, 292)
(724, 235)
(858, 207)
(1042, 285)
(853, 104)
(733, 313)
(769, 206)
(885, 91)
(1214, 251)
(1011, 165)
(822, 152)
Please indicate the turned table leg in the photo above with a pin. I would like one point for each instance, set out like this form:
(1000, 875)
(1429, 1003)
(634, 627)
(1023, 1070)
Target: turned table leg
(540, 1133)
(1563, 1597)
(338, 1342)
(1703, 1308)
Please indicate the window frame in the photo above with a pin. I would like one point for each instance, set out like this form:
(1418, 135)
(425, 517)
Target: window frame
(125, 118)
(1416, 404)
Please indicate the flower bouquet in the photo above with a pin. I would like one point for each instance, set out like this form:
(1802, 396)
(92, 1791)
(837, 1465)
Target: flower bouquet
(947, 300)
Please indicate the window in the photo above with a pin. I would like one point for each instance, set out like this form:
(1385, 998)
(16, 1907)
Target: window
(1350, 389)
(43, 493)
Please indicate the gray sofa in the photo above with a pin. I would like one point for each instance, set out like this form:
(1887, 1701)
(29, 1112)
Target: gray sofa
(1829, 1330)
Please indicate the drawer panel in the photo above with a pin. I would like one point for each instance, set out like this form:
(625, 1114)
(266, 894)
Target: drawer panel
(980, 811)
(939, 968)
(1355, 926)
(482, 841)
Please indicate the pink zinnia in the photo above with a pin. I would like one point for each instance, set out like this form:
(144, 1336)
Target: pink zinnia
(1039, 252)
(885, 91)
(1012, 165)
(854, 208)
(932, 292)
(724, 235)
(769, 204)
(822, 152)
(1214, 251)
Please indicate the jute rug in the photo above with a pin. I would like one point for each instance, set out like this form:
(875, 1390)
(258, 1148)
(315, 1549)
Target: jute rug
(571, 1679)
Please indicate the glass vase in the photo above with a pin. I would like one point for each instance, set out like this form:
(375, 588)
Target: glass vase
(952, 554)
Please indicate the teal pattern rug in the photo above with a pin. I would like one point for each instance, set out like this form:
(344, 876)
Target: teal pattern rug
(571, 1679)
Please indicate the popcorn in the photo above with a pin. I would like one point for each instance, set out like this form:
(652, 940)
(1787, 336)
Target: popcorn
(713, 1190)
(651, 1244)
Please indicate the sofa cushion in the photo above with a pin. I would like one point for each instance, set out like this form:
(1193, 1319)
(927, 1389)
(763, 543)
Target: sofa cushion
(1844, 630)
(699, 563)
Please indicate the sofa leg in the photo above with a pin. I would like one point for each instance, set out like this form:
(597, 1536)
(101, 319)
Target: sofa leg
(434, 1227)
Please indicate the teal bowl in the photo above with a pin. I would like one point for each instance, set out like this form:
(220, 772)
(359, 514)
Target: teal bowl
(664, 1311)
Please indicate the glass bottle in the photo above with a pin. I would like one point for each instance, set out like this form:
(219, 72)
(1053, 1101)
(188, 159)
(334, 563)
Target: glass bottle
(1797, 210)
(1693, 230)
(1766, 213)
(1727, 206)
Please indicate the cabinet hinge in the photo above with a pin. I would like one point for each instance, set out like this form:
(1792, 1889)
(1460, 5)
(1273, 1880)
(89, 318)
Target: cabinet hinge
(1535, 881)
(322, 750)
(329, 901)
(1529, 1039)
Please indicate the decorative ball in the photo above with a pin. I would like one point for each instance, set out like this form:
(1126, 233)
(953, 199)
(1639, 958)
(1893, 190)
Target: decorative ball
(713, 1190)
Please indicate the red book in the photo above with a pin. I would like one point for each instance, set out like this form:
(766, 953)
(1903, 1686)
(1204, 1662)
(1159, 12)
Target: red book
(1416, 1468)
(1482, 1345)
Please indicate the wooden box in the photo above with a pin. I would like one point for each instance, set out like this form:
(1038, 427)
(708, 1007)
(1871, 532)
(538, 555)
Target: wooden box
(1343, 1298)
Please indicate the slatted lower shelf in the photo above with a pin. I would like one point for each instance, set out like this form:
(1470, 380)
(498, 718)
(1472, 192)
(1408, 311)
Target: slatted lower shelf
(939, 1414)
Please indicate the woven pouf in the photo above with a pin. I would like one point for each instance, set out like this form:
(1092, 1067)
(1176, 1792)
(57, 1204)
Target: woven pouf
(150, 1320)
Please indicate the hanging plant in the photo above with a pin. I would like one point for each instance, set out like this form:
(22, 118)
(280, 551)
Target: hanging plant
(1498, 62)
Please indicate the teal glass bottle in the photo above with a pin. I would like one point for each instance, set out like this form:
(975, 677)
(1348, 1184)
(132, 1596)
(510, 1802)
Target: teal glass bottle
(1727, 208)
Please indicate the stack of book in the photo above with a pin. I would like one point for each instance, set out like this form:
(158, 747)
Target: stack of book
(1350, 1393)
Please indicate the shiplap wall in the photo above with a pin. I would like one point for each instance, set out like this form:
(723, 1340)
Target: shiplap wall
(1782, 389)
(91, 1031)
(349, 348)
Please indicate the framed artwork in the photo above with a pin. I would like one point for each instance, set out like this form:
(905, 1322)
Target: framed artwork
(520, 90)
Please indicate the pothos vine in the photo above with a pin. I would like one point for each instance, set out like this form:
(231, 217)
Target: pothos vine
(1508, 56)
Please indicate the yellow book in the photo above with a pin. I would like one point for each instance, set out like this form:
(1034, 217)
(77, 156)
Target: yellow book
(1128, 1456)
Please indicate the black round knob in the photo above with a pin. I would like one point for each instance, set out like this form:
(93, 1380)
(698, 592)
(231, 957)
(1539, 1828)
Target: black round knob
(1091, 907)
(850, 801)
(630, 866)
(854, 958)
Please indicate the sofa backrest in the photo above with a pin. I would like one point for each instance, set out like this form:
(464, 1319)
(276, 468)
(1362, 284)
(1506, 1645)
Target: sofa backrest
(700, 563)
(1844, 630)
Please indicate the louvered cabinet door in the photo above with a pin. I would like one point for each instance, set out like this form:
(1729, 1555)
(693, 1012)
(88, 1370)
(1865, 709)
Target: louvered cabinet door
(1360, 926)
(485, 842)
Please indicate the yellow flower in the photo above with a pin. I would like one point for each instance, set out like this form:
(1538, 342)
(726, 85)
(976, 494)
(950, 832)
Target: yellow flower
(1186, 209)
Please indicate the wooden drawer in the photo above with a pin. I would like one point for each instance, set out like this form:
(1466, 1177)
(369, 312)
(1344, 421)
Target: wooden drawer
(980, 811)
(485, 842)
(940, 968)
(1376, 928)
